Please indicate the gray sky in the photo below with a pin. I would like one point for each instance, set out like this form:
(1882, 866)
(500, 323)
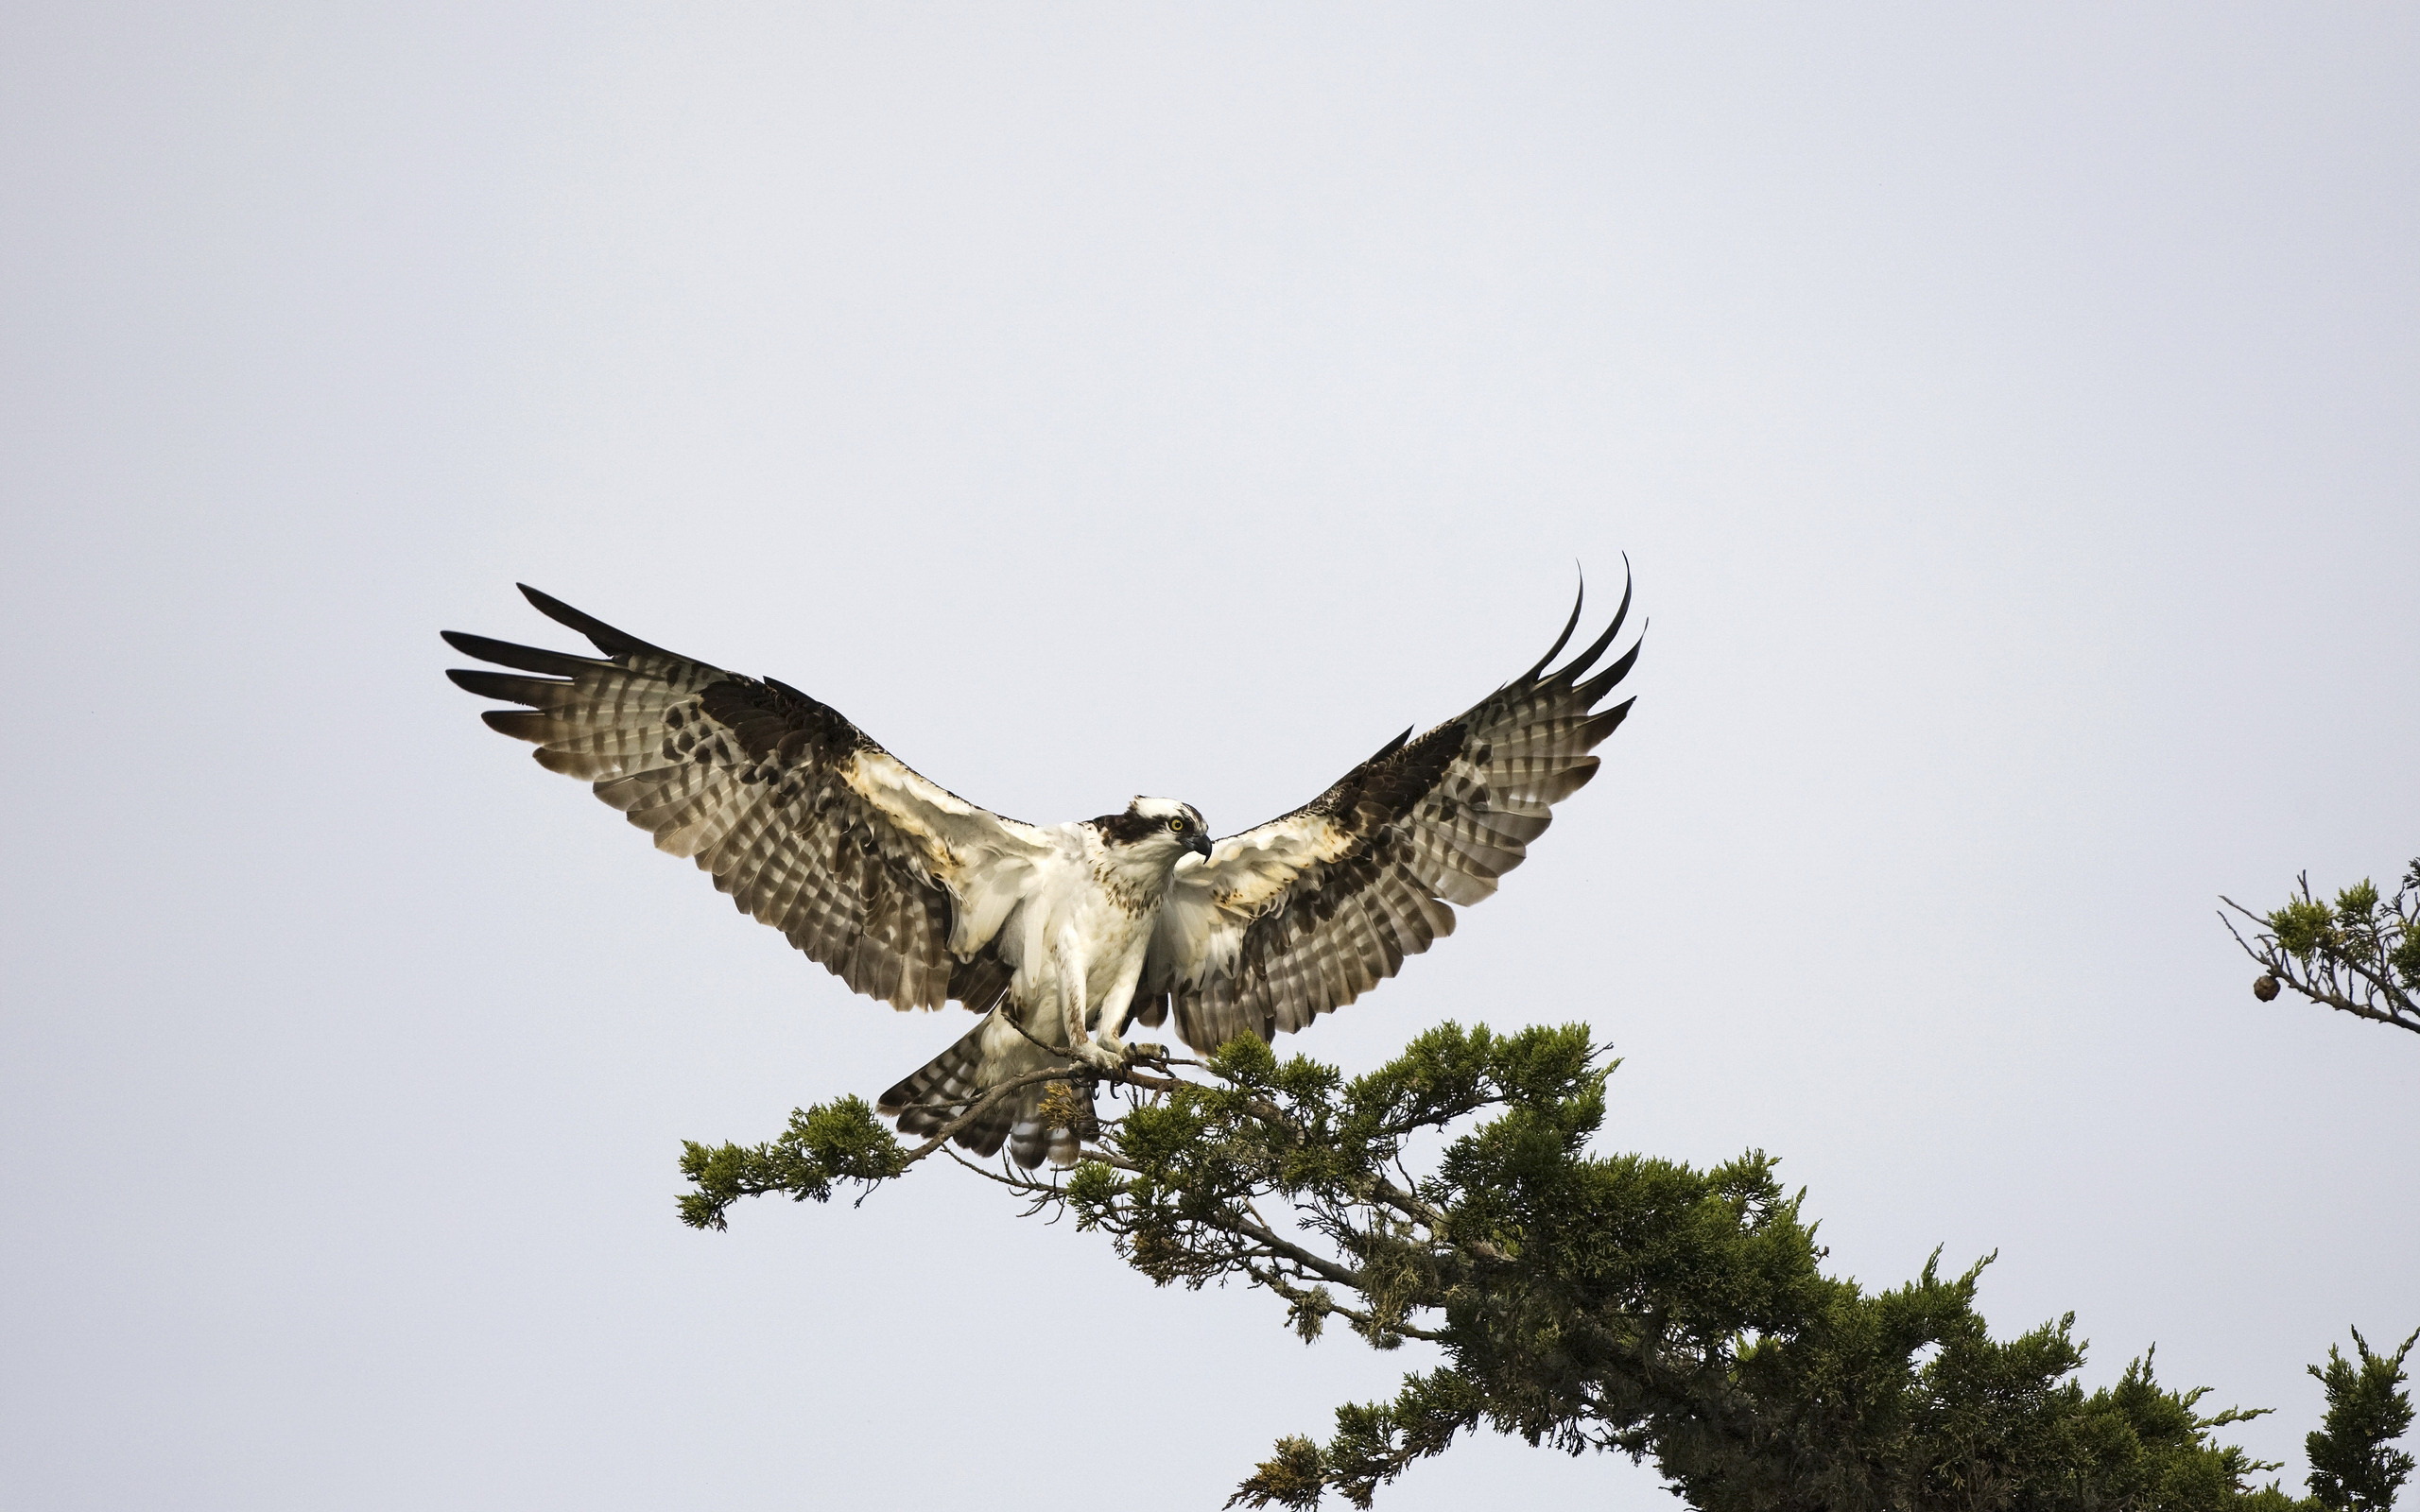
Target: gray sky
(2010, 415)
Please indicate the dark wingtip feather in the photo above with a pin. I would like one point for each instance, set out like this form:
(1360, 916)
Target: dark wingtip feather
(1565, 639)
(1390, 748)
(1595, 648)
(538, 693)
(1594, 689)
(521, 724)
(520, 657)
(1604, 724)
(1621, 610)
(607, 638)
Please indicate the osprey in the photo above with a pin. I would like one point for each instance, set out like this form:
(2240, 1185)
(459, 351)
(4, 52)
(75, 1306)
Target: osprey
(1061, 936)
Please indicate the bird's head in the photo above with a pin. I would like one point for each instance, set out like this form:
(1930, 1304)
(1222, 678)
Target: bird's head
(1157, 828)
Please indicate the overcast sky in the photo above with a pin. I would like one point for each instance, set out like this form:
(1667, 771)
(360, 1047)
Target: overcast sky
(2012, 417)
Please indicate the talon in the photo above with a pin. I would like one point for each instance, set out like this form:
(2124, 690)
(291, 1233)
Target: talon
(1099, 1056)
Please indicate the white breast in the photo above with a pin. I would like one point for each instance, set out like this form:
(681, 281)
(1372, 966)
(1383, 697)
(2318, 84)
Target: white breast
(1064, 892)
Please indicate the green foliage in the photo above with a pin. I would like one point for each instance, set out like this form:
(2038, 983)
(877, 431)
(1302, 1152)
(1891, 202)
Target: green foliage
(1635, 1304)
(1584, 1301)
(831, 1142)
(2306, 929)
(2354, 1467)
(2359, 954)
(2406, 957)
(2348, 930)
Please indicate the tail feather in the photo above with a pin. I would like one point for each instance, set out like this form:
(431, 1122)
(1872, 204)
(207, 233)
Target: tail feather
(930, 1099)
(947, 1086)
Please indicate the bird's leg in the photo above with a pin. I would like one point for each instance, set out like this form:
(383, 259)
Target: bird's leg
(1114, 1003)
(1073, 968)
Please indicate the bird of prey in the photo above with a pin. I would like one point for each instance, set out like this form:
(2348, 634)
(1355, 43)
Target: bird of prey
(1061, 936)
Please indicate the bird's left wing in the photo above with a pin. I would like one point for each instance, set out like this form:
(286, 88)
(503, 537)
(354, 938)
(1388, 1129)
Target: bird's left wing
(1306, 913)
(889, 879)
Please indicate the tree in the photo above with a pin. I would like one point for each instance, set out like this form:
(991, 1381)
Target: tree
(2354, 1467)
(2358, 955)
(1581, 1301)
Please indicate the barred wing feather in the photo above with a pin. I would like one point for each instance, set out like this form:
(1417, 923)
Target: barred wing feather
(1306, 913)
(892, 882)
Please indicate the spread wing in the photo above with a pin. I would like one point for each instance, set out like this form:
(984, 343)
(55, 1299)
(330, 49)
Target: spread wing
(894, 883)
(1306, 913)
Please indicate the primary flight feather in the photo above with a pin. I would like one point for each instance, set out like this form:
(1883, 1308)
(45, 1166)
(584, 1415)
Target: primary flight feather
(1060, 935)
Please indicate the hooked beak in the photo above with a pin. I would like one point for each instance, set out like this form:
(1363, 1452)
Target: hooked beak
(1198, 845)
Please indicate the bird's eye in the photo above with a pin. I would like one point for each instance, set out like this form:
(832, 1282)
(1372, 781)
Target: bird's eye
(1177, 824)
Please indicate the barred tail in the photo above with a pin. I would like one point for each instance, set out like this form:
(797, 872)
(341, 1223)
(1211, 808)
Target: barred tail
(953, 1081)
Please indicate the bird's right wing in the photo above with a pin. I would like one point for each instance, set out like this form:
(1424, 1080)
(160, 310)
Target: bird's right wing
(1300, 915)
(892, 882)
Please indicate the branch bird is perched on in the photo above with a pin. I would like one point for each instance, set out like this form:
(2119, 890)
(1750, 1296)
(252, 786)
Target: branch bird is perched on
(1061, 936)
